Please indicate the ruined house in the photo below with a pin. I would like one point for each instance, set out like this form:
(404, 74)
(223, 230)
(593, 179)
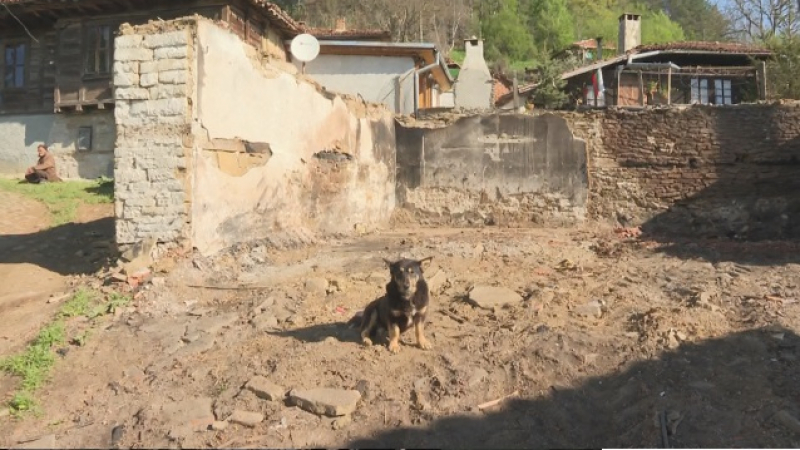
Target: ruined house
(210, 132)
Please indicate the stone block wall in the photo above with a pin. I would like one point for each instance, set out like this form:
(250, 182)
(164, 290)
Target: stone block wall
(710, 170)
(153, 93)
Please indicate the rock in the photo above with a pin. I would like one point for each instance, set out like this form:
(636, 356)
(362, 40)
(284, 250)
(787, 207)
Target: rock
(591, 309)
(342, 422)
(48, 441)
(316, 285)
(788, 420)
(191, 337)
(4, 412)
(265, 389)
(437, 282)
(203, 344)
(477, 377)
(188, 416)
(165, 265)
(266, 304)
(363, 387)
(282, 314)
(219, 425)
(296, 320)
(159, 281)
(116, 434)
(246, 418)
(265, 322)
(326, 401)
(213, 324)
(490, 297)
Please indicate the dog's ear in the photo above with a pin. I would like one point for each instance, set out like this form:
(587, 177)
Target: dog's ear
(424, 262)
(388, 262)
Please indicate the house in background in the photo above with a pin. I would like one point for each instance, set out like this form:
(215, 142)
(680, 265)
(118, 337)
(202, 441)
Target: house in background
(406, 77)
(586, 51)
(57, 83)
(341, 32)
(720, 73)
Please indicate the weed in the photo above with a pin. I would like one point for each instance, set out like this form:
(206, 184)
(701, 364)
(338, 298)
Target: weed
(63, 199)
(78, 305)
(22, 402)
(80, 340)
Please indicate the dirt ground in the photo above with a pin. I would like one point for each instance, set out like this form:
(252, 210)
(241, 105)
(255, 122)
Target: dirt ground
(606, 335)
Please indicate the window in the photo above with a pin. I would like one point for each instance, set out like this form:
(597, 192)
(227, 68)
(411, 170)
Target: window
(84, 139)
(98, 50)
(699, 91)
(722, 92)
(14, 66)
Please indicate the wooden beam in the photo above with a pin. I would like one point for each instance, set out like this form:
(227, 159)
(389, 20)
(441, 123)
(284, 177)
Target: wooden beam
(669, 86)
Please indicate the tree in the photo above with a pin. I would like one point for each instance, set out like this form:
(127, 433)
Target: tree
(782, 79)
(550, 92)
(550, 24)
(505, 33)
(700, 19)
(763, 20)
(658, 28)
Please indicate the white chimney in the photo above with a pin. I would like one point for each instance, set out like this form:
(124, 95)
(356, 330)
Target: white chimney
(630, 32)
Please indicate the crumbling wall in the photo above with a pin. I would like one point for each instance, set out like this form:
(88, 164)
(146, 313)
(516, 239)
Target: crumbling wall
(276, 158)
(508, 169)
(153, 80)
(700, 170)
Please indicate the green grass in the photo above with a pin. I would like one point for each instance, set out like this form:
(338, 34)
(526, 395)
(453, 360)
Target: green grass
(63, 199)
(34, 365)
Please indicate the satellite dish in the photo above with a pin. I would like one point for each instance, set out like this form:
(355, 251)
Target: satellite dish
(305, 47)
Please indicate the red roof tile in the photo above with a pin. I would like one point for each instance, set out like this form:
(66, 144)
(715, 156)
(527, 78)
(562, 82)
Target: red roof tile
(591, 44)
(322, 33)
(705, 46)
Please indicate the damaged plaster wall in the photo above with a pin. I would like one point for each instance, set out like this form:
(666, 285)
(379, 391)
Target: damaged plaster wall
(493, 169)
(277, 159)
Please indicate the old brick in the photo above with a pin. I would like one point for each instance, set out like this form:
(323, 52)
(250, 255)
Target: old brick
(133, 54)
(171, 52)
(127, 41)
(131, 93)
(173, 76)
(170, 39)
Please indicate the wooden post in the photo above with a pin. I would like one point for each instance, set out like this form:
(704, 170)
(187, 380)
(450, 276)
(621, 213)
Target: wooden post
(516, 92)
(669, 86)
(619, 78)
(641, 88)
(761, 79)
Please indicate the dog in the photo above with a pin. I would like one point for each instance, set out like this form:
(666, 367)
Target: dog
(404, 305)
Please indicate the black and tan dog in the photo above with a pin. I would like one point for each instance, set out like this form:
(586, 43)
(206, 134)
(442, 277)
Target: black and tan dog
(404, 305)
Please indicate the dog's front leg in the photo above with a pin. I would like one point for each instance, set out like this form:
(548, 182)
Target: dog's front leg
(394, 338)
(419, 330)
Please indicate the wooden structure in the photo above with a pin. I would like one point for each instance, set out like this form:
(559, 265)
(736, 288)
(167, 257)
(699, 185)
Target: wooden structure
(58, 55)
(675, 73)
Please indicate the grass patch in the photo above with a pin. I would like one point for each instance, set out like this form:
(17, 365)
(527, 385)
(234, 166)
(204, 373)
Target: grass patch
(34, 365)
(63, 199)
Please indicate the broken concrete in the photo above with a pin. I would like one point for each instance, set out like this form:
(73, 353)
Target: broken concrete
(246, 418)
(491, 297)
(326, 401)
(265, 389)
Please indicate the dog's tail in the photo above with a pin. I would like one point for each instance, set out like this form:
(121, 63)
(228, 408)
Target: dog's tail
(356, 320)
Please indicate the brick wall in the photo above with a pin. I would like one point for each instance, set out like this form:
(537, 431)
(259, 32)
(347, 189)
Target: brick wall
(152, 74)
(709, 170)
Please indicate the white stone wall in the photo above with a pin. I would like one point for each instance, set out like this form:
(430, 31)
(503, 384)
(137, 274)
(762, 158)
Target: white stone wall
(152, 74)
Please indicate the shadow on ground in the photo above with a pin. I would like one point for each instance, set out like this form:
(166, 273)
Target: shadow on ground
(727, 392)
(105, 188)
(318, 333)
(750, 213)
(69, 249)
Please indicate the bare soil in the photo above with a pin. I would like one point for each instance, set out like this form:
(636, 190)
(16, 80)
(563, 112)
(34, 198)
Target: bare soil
(610, 334)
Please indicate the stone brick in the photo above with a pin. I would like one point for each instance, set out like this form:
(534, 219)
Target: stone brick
(172, 64)
(173, 76)
(131, 93)
(169, 39)
(128, 41)
(169, 107)
(171, 52)
(126, 80)
(168, 91)
(133, 54)
(148, 67)
(148, 79)
(126, 67)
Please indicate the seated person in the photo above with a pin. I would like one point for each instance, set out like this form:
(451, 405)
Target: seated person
(45, 169)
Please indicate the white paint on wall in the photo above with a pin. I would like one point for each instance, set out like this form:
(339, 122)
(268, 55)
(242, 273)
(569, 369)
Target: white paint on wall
(21, 134)
(376, 78)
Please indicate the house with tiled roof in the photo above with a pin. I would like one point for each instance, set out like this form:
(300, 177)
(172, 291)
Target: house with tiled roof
(673, 73)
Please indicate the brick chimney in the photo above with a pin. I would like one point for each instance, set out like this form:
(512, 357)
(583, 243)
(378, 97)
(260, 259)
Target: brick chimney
(340, 24)
(630, 32)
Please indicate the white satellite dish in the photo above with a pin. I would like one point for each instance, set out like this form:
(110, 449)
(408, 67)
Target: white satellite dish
(305, 47)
